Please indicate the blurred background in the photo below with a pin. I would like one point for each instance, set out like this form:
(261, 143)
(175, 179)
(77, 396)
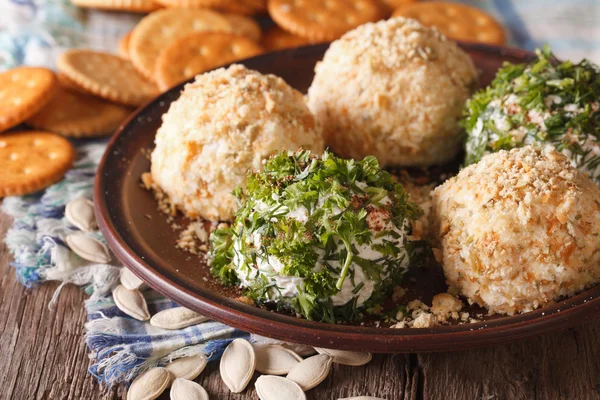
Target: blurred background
(34, 32)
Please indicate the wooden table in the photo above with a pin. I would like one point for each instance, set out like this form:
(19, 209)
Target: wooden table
(43, 356)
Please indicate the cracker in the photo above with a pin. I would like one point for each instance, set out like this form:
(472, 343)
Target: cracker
(200, 52)
(192, 3)
(124, 45)
(140, 6)
(32, 161)
(67, 83)
(244, 26)
(321, 21)
(456, 21)
(23, 91)
(245, 7)
(64, 81)
(258, 5)
(74, 114)
(106, 75)
(394, 4)
(276, 38)
(159, 29)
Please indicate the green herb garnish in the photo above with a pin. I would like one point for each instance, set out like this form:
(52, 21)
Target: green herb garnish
(544, 103)
(321, 237)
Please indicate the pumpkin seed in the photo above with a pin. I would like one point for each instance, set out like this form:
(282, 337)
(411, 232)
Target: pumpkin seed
(176, 318)
(130, 280)
(311, 371)
(271, 387)
(187, 367)
(353, 358)
(88, 248)
(131, 302)
(80, 213)
(183, 389)
(273, 359)
(149, 385)
(237, 365)
(301, 349)
(362, 398)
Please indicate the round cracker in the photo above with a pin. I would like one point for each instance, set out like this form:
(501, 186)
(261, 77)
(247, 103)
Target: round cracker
(23, 91)
(276, 38)
(200, 52)
(74, 114)
(124, 45)
(244, 26)
(321, 21)
(140, 6)
(159, 29)
(32, 161)
(456, 21)
(391, 5)
(247, 7)
(106, 75)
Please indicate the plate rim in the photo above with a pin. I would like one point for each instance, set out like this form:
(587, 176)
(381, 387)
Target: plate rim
(350, 337)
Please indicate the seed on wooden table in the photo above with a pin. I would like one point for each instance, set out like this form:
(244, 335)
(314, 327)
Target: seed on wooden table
(311, 371)
(273, 359)
(149, 385)
(271, 387)
(88, 248)
(80, 212)
(187, 367)
(130, 280)
(176, 318)
(183, 389)
(237, 365)
(131, 302)
(302, 350)
(353, 358)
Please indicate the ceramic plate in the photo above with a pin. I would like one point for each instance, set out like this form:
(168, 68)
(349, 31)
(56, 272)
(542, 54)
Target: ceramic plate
(143, 240)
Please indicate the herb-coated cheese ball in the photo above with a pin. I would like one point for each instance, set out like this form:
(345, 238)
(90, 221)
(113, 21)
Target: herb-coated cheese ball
(553, 106)
(518, 229)
(224, 124)
(394, 89)
(323, 237)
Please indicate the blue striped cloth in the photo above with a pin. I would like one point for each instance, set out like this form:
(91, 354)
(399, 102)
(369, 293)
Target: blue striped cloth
(120, 346)
(34, 32)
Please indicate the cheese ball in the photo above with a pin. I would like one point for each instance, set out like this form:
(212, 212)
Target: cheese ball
(224, 124)
(518, 229)
(549, 105)
(394, 89)
(316, 240)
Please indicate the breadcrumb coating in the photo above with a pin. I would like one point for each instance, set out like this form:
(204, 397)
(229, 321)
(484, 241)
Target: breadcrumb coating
(225, 123)
(394, 89)
(518, 230)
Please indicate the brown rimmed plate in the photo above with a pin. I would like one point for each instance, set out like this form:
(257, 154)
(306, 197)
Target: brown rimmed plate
(143, 240)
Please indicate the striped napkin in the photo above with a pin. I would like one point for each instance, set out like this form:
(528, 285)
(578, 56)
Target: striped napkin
(120, 346)
(34, 32)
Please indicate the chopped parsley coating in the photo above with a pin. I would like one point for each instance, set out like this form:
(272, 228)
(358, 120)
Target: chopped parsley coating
(322, 237)
(545, 103)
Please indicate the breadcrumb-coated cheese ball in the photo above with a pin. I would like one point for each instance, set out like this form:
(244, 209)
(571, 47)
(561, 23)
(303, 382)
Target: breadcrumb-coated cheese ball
(394, 89)
(225, 123)
(518, 229)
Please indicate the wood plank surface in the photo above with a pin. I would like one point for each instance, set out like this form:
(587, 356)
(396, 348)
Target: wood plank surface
(43, 356)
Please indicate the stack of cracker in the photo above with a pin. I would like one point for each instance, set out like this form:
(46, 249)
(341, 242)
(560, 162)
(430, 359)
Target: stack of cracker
(187, 37)
(174, 44)
(91, 95)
